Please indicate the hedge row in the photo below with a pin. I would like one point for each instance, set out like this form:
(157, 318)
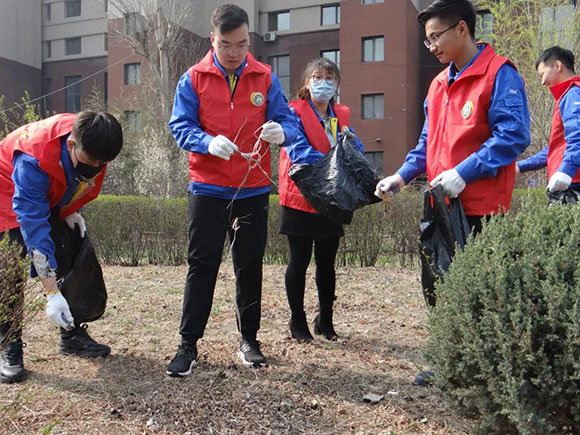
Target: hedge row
(130, 230)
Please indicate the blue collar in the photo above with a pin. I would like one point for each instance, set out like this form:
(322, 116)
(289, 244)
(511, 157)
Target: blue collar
(221, 68)
(454, 74)
(316, 111)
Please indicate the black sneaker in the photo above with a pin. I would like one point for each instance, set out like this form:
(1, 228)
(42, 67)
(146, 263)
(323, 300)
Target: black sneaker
(78, 342)
(11, 364)
(424, 379)
(250, 353)
(183, 362)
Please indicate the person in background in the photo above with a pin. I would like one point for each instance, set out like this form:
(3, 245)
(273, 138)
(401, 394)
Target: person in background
(220, 105)
(476, 119)
(320, 121)
(56, 166)
(562, 156)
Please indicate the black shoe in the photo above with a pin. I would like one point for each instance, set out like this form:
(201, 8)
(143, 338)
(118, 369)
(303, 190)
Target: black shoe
(324, 329)
(424, 379)
(299, 328)
(183, 362)
(11, 364)
(250, 353)
(78, 342)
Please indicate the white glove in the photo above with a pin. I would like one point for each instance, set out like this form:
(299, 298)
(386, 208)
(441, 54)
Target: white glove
(58, 311)
(272, 132)
(558, 182)
(451, 182)
(220, 146)
(76, 219)
(389, 186)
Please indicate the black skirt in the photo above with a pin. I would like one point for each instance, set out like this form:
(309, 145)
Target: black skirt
(300, 223)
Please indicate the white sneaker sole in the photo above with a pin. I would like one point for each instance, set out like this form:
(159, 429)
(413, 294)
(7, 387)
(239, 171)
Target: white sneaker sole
(182, 374)
(249, 363)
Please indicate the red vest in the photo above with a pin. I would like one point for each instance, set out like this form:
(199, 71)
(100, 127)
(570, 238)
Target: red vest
(557, 139)
(236, 117)
(458, 126)
(40, 140)
(290, 196)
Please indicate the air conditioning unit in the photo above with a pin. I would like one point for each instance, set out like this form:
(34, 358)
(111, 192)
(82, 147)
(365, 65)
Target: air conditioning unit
(269, 36)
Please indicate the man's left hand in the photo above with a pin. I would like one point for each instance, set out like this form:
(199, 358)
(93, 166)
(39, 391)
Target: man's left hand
(272, 132)
(559, 182)
(451, 182)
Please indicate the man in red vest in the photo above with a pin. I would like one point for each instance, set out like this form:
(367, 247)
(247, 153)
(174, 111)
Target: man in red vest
(476, 118)
(53, 166)
(562, 156)
(229, 108)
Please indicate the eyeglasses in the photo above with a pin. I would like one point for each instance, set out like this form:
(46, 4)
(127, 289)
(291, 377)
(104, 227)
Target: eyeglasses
(233, 49)
(431, 40)
(317, 78)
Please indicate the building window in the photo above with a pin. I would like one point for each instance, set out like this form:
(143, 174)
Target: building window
(330, 15)
(376, 159)
(73, 8)
(132, 24)
(279, 21)
(370, 2)
(47, 12)
(557, 24)
(333, 55)
(73, 92)
(106, 37)
(132, 119)
(73, 46)
(373, 106)
(47, 95)
(281, 66)
(373, 49)
(484, 26)
(132, 73)
(48, 48)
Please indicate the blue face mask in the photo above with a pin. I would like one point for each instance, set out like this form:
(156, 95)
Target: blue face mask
(322, 91)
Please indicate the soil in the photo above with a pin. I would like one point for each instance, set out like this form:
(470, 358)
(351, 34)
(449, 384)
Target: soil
(319, 387)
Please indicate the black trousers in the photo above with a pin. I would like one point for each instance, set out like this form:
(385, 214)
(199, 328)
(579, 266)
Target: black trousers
(295, 278)
(11, 328)
(210, 219)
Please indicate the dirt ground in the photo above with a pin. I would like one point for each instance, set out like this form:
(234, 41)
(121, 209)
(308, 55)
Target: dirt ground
(305, 388)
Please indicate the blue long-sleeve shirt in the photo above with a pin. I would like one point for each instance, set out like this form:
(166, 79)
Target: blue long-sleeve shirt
(300, 150)
(30, 200)
(509, 125)
(186, 128)
(569, 107)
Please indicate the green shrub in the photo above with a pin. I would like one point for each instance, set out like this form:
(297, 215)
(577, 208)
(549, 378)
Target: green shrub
(505, 335)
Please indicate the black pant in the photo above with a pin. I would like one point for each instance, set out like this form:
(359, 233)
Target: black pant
(11, 329)
(324, 256)
(209, 221)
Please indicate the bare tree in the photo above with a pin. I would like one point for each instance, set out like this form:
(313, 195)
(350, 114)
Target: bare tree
(157, 30)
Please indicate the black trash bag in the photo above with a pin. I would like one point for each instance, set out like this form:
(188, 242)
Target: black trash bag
(79, 274)
(339, 183)
(441, 228)
(568, 196)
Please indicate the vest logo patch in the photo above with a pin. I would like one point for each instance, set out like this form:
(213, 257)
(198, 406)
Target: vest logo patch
(467, 110)
(257, 99)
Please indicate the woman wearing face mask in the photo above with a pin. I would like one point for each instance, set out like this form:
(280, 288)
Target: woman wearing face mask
(320, 120)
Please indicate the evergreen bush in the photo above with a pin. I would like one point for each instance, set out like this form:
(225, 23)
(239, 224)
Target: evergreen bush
(505, 335)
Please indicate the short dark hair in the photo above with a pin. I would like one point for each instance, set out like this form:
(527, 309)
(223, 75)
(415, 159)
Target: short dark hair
(451, 12)
(228, 17)
(318, 64)
(552, 54)
(100, 135)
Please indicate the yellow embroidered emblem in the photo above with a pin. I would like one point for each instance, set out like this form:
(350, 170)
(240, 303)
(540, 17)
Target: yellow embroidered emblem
(467, 110)
(257, 99)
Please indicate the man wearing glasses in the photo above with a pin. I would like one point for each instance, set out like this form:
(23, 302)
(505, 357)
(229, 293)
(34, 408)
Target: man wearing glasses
(228, 110)
(476, 118)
